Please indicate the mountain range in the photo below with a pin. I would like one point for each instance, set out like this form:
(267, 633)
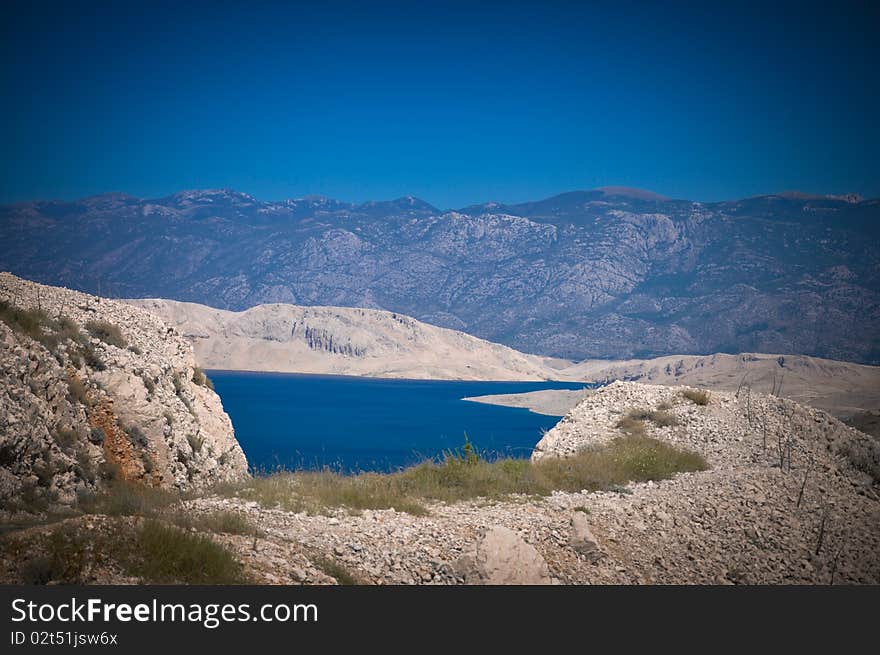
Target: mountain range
(607, 273)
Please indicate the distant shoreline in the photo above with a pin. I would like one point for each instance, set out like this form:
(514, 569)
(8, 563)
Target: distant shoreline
(549, 402)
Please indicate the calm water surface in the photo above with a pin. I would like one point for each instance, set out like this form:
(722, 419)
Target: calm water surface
(348, 423)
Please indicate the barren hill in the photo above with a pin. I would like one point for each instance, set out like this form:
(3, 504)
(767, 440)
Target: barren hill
(344, 341)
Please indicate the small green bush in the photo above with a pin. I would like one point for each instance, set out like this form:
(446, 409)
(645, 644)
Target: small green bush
(67, 328)
(62, 558)
(77, 391)
(336, 570)
(122, 498)
(107, 332)
(92, 359)
(662, 418)
(195, 442)
(65, 437)
(33, 323)
(201, 379)
(632, 424)
(137, 436)
(696, 396)
(85, 468)
(179, 389)
(220, 521)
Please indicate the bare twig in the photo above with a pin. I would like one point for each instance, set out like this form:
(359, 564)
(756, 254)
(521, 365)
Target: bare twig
(741, 384)
(804, 482)
(821, 537)
(834, 564)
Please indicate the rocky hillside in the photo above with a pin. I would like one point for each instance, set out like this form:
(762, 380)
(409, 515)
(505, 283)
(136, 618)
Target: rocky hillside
(94, 390)
(790, 496)
(841, 388)
(608, 273)
(344, 341)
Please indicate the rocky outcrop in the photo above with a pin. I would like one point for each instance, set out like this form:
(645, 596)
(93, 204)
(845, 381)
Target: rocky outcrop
(501, 556)
(583, 541)
(93, 390)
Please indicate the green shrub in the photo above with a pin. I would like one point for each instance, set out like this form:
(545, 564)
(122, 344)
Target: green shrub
(65, 437)
(662, 418)
(135, 435)
(107, 332)
(457, 476)
(336, 570)
(62, 558)
(122, 498)
(179, 389)
(201, 379)
(632, 424)
(696, 396)
(167, 554)
(77, 391)
(92, 359)
(220, 521)
(33, 323)
(195, 442)
(149, 384)
(85, 468)
(66, 328)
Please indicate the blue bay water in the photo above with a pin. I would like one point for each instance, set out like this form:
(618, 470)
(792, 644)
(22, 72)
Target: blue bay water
(353, 424)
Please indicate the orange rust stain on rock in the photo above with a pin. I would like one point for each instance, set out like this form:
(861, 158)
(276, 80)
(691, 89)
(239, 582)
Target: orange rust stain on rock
(118, 449)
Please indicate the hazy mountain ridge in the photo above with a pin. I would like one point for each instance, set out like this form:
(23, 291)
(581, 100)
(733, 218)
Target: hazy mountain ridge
(603, 273)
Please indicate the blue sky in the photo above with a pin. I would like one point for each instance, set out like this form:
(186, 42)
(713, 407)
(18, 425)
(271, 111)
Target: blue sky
(456, 103)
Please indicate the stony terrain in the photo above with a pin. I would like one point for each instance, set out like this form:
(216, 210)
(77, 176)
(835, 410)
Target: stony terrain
(344, 341)
(745, 520)
(606, 273)
(93, 390)
(791, 497)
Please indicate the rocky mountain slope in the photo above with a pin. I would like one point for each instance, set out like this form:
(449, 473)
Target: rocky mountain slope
(344, 341)
(608, 273)
(94, 390)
